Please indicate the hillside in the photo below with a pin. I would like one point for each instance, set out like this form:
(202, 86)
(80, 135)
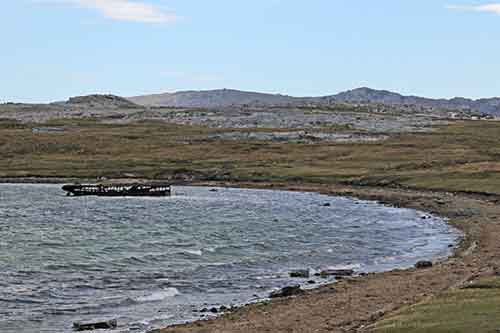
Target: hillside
(228, 97)
(367, 95)
(213, 98)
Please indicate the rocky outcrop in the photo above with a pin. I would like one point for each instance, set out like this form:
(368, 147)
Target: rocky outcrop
(287, 292)
(101, 101)
(423, 264)
(336, 272)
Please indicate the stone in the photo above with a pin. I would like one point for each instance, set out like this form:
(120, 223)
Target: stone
(423, 264)
(109, 324)
(337, 272)
(287, 292)
(300, 273)
(377, 315)
(327, 204)
(214, 310)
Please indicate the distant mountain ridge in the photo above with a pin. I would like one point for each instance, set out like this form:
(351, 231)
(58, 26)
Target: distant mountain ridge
(367, 95)
(230, 97)
(213, 98)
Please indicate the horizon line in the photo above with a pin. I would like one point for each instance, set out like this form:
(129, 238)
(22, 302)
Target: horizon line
(5, 101)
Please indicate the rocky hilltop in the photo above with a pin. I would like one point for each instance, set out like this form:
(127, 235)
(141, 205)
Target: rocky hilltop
(367, 95)
(228, 97)
(100, 101)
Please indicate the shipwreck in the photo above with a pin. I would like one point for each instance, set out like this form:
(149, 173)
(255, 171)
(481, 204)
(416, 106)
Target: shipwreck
(118, 190)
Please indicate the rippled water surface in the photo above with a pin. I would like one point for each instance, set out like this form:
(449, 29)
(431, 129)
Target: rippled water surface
(151, 262)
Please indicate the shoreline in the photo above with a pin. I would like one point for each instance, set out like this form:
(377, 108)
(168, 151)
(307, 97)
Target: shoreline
(461, 267)
(250, 317)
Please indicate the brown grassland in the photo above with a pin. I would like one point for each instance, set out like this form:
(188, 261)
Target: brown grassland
(464, 156)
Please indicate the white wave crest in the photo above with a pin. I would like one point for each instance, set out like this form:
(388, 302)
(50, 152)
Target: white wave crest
(159, 295)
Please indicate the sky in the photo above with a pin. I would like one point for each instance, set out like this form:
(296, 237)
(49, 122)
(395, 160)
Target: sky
(54, 49)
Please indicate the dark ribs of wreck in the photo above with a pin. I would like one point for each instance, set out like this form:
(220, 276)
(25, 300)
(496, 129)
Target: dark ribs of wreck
(118, 190)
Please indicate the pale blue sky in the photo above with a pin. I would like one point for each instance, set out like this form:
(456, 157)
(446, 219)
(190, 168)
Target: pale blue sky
(53, 49)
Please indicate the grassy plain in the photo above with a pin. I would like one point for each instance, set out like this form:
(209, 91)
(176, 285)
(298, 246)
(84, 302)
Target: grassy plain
(464, 156)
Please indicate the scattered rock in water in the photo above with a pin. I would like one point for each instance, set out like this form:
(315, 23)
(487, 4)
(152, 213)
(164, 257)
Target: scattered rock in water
(287, 292)
(204, 310)
(300, 273)
(223, 308)
(311, 282)
(337, 272)
(327, 204)
(423, 264)
(214, 310)
(214, 190)
(109, 324)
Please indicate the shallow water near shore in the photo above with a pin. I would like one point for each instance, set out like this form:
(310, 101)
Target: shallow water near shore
(151, 262)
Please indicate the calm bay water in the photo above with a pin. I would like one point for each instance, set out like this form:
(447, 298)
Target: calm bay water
(150, 262)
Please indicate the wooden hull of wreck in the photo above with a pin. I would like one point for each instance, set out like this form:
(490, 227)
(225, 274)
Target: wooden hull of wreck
(117, 191)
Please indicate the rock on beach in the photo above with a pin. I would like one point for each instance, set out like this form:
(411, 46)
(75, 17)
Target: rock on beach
(287, 292)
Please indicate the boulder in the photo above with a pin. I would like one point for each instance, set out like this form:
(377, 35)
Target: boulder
(300, 273)
(287, 292)
(109, 324)
(423, 264)
(337, 272)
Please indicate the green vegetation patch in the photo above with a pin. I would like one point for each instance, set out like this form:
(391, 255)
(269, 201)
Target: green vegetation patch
(475, 308)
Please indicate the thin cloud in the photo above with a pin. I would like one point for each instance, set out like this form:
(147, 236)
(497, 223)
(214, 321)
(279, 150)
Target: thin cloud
(488, 8)
(124, 10)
